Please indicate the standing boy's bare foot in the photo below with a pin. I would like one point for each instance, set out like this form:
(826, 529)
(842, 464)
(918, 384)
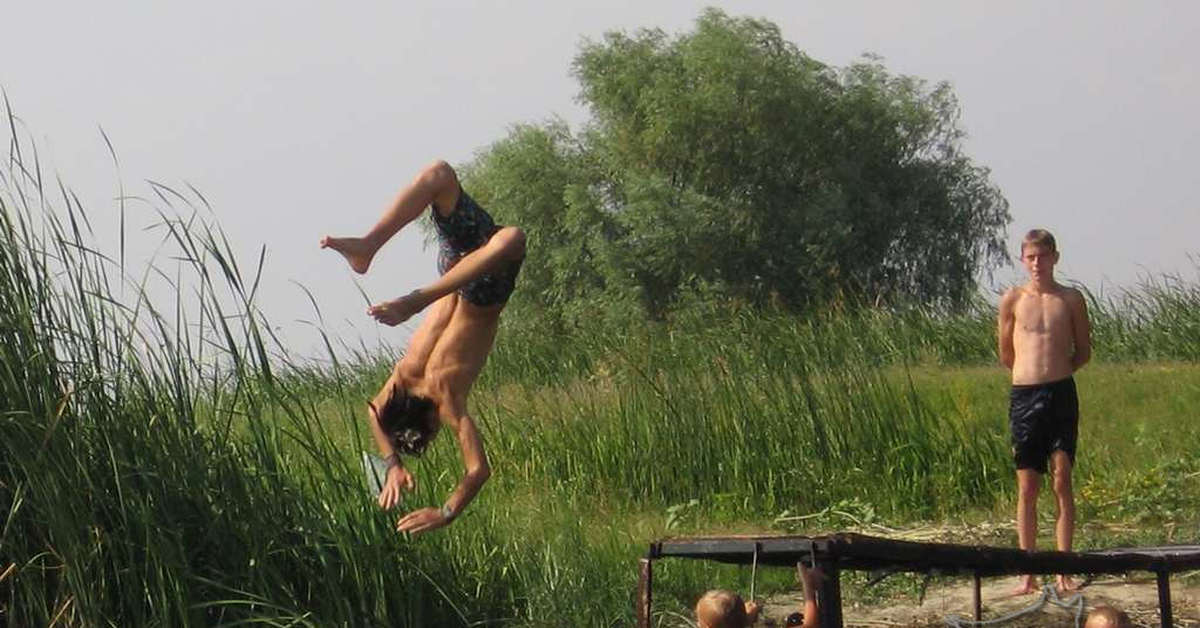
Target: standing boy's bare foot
(1025, 586)
(356, 251)
(1066, 584)
(399, 310)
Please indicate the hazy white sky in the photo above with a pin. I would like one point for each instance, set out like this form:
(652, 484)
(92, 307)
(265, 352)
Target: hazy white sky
(301, 118)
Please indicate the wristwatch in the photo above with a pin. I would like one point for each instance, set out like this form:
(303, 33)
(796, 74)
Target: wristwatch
(447, 513)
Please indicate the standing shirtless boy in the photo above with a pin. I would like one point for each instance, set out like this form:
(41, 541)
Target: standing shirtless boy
(1044, 338)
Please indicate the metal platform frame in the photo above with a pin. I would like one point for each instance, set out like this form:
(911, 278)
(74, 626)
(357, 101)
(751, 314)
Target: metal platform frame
(837, 552)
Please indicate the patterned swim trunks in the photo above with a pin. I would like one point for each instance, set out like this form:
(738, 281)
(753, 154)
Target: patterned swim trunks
(466, 229)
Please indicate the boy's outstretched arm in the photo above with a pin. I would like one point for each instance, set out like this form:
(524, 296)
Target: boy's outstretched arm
(1006, 320)
(477, 472)
(1082, 328)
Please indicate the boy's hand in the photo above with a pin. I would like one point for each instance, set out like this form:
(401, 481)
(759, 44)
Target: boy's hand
(399, 480)
(810, 578)
(422, 520)
(752, 612)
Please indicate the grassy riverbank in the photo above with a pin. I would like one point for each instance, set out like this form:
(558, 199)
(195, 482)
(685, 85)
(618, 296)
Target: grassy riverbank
(171, 463)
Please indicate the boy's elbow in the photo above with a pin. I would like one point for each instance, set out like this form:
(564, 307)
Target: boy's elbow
(1083, 357)
(480, 473)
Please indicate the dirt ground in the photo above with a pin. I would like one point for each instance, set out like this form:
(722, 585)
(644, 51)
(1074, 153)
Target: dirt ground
(1137, 596)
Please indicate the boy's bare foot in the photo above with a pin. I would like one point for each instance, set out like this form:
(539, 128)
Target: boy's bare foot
(399, 310)
(1025, 586)
(356, 251)
(1066, 584)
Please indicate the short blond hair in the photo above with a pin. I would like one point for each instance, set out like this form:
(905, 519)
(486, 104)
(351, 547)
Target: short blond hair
(1107, 617)
(721, 609)
(1039, 237)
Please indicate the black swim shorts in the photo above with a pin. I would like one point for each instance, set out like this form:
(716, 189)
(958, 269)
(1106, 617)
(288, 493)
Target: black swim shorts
(1044, 418)
(467, 228)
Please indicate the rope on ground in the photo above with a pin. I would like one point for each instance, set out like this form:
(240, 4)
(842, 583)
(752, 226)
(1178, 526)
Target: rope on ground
(1049, 595)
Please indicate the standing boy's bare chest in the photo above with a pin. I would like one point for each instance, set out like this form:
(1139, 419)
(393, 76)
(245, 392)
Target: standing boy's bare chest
(1041, 314)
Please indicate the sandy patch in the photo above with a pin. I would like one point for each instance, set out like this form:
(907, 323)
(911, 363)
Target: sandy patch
(1137, 596)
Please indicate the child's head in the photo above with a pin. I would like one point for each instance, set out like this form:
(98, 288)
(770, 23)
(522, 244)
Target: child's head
(724, 609)
(1107, 617)
(1039, 237)
(407, 420)
(1039, 253)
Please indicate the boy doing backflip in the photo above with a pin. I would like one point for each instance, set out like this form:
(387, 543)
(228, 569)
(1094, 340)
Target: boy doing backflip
(1044, 337)
(427, 389)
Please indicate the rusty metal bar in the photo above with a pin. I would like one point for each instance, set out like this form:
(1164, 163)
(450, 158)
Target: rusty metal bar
(645, 596)
(754, 571)
(1164, 598)
(978, 598)
(829, 596)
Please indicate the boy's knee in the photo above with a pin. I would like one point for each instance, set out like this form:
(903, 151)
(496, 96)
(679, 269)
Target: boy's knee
(1060, 464)
(1028, 484)
(512, 241)
(437, 175)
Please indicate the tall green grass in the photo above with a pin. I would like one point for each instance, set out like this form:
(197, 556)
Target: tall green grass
(157, 465)
(1156, 320)
(168, 462)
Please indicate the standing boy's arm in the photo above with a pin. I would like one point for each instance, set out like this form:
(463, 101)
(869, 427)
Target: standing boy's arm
(1006, 322)
(1082, 328)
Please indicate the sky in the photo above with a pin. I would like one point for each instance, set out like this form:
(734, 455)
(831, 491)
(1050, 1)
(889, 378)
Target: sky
(302, 118)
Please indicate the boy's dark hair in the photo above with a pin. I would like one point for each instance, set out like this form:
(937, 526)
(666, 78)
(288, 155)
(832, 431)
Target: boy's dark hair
(406, 422)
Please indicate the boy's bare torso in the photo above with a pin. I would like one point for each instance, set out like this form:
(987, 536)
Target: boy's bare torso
(1043, 333)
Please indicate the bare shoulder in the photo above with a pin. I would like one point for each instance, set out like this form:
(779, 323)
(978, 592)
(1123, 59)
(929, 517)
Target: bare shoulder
(1011, 296)
(1074, 296)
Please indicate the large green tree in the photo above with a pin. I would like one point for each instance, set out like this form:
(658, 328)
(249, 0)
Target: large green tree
(726, 160)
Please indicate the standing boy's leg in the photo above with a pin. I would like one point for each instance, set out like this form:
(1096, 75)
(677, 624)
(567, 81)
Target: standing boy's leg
(1028, 483)
(1064, 495)
(436, 184)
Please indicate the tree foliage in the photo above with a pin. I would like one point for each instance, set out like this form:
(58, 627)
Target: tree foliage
(724, 161)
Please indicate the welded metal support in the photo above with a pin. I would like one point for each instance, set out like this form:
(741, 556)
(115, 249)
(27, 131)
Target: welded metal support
(829, 596)
(978, 599)
(1164, 598)
(645, 582)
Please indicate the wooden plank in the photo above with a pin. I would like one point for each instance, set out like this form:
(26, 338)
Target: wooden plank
(865, 552)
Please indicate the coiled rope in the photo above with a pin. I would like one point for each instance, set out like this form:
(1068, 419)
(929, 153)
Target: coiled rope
(1049, 596)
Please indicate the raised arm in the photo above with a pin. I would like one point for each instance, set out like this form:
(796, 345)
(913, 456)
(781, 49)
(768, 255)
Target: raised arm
(1082, 329)
(810, 579)
(476, 472)
(1006, 321)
